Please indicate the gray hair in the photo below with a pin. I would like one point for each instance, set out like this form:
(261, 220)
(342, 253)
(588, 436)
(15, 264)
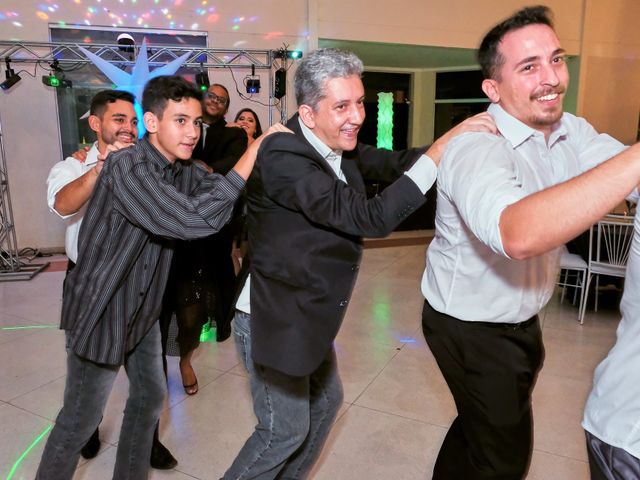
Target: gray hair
(320, 66)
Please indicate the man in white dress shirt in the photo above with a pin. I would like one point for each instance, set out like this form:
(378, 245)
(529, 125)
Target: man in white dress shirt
(505, 204)
(611, 416)
(71, 181)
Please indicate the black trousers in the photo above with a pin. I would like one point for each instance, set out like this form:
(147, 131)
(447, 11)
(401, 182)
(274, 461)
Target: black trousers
(490, 370)
(607, 462)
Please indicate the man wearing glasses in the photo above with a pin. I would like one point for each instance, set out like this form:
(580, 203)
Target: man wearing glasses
(220, 146)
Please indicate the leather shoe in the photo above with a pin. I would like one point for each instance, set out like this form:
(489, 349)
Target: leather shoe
(161, 458)
(92, 447)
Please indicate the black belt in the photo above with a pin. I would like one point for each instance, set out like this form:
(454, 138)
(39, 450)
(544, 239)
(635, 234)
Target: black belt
(508, 326)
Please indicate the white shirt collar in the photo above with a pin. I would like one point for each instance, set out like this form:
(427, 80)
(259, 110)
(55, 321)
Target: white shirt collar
(515, 131)
(92, 155)
(332, 158)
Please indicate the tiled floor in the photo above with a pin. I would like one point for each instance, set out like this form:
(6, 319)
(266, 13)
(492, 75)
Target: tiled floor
(396, 409)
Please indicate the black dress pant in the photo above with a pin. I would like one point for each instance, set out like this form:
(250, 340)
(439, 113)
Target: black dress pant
(490, 369)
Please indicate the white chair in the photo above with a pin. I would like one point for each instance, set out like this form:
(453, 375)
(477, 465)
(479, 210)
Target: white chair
(609, 244)
(573, 273)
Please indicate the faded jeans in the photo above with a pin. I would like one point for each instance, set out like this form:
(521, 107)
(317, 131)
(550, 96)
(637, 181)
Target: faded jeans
(86, 392)
(295, 415)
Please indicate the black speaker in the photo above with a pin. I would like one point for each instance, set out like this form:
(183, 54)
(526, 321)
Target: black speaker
(280, 83)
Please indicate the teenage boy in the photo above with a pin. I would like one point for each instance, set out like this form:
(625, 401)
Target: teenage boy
(144, 198)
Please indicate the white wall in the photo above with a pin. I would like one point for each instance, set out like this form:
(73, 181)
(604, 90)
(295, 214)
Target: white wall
(446, 23)
(609, 95)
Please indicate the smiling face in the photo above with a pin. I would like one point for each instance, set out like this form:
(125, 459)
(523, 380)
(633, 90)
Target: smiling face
(339, 115)
(175, 134)
(118, 122)
(216, 102)
(533, 78)
(247, 122)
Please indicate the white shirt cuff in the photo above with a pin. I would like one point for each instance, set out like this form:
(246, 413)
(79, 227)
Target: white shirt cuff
(423, 173)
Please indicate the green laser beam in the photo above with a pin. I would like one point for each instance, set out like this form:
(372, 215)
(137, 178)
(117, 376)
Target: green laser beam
(26, 452)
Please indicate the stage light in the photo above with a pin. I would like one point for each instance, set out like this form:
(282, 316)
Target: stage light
(291, 54)
(51, 81)
(252, 82)
(253, 85)
(280, 83)
(202, 79)
(12, 78)
(57, 78)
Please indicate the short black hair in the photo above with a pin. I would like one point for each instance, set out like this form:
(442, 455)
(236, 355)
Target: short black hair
(159, 90)
(489, 57)
(104, 97)
(227, 92)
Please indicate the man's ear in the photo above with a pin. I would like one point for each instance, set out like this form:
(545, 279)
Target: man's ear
(94, 123)
(307, 115)
(490, 89)
(150, 122)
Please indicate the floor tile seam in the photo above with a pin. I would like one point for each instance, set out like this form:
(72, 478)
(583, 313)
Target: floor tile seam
(35, 388)
(239, 375)
(585, 334)
(201, 365)
(568, 457)
(48, 420)
(201, 388)
(565, 377)
(404, 417)
(386, 364)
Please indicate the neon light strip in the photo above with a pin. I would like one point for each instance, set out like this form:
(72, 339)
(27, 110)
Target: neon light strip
(26, 452)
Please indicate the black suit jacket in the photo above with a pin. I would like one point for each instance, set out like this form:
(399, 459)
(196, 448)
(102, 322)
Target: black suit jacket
(305, 241)
(222, 148)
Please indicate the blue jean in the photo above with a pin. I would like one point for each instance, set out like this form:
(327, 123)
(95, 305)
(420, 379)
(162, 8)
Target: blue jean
(86, 392)
(295, 415)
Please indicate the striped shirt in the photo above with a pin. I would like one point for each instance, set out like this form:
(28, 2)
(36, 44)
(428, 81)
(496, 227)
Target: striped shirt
(140, 204)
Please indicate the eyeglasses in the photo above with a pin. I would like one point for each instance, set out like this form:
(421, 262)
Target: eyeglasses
(215, 98)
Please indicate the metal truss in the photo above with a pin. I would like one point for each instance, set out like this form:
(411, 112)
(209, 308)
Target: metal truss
(70, 53)
(11, 268)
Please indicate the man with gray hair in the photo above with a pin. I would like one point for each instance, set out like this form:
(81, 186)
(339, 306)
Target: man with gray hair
(307, 214)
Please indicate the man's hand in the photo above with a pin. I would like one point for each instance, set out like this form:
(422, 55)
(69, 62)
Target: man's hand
(113, 147)
(81, 155)
(276, 127)
(244, 166)
(482, 122)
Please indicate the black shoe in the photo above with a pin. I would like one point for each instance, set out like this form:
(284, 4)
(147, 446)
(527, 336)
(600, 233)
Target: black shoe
(161, 458)
(92, 447)
(223, 332)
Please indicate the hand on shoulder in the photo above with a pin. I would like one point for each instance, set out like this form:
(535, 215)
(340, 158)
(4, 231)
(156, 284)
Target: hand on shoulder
(482, 122)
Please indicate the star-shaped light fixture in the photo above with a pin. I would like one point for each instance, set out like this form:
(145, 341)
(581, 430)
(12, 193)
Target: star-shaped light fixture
(135, 81)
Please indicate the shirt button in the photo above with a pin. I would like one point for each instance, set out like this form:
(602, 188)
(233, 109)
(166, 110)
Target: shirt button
(354, 268)
(344, 303)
